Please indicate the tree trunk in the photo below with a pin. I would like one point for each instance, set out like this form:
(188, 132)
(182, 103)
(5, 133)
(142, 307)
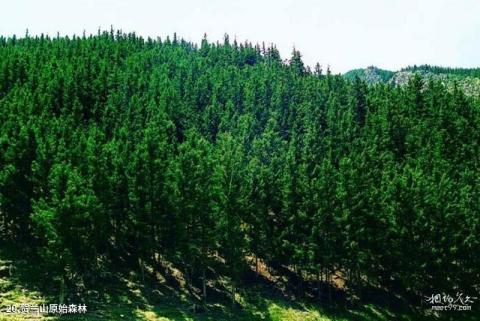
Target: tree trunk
(204, 286)
(233, 294)
(300, 283)
(189, 278)
(142, 272)
(329, 277)
(61, 297)
(318, 283)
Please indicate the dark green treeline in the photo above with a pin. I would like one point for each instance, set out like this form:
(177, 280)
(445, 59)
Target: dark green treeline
(115, 148)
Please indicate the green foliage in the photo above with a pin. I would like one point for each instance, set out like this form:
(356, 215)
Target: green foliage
(370, 74)
(116, 149)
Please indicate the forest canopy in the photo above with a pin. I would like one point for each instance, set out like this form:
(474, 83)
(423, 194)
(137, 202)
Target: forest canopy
(115, 149)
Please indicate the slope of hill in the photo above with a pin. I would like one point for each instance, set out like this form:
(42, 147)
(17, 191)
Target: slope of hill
(160, 297)
(467, 79)
(163, 160)
(371, 74)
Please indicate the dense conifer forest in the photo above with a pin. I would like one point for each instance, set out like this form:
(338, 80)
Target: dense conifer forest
(122, 152)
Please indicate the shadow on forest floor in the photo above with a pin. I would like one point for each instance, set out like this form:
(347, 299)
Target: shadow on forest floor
(163, 295)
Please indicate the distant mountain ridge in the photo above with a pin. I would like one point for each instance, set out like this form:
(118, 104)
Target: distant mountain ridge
(467, 78)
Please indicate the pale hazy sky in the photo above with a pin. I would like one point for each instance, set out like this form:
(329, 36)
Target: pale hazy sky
(344, 34)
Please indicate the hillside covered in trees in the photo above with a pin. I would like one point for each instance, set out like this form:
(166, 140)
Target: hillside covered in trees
(123, 152)
(468, 79)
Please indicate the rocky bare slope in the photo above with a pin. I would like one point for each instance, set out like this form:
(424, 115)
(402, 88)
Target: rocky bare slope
(467, 79)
